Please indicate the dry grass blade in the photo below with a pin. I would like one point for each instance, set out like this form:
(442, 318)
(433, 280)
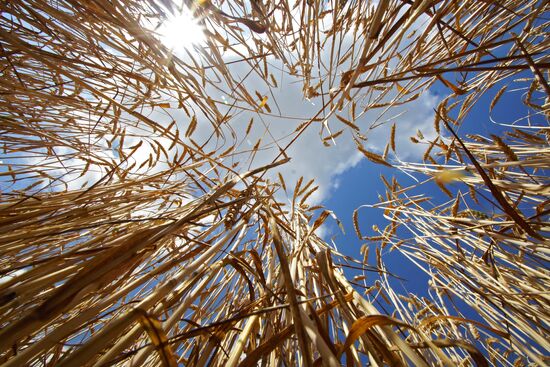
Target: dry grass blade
(289, 284)
(373, 157)
(153, 328)
(512, 212)
(361, 325)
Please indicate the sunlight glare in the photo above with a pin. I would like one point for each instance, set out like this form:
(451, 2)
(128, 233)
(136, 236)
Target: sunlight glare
(181, 31)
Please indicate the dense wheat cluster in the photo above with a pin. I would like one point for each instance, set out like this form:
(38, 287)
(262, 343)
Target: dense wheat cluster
(142, 223)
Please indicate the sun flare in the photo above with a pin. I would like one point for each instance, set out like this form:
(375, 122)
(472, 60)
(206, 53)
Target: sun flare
(181, 31)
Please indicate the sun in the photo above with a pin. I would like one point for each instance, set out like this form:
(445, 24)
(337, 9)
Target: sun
(181, 31)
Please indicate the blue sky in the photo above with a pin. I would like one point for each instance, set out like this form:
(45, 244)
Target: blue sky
(361, 185)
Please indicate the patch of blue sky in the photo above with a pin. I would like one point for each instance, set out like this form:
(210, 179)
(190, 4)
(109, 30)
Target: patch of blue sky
(360, 185)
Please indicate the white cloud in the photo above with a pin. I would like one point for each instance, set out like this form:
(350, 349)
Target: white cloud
(309, 157)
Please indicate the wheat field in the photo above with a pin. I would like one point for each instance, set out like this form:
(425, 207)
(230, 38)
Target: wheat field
(138, 228)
